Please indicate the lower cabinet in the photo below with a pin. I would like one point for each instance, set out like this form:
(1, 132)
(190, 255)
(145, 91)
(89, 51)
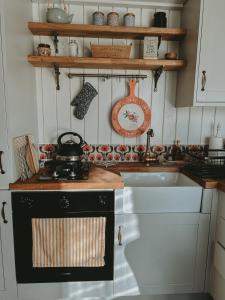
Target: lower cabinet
(160, 253)
(8, 286)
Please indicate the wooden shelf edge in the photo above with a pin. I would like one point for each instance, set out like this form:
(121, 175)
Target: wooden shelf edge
(105, 31)
(104, 63)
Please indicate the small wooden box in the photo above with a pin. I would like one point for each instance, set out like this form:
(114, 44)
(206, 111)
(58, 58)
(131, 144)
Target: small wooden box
(109, 51)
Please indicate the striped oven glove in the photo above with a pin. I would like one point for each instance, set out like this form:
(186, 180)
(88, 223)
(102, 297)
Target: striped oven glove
(83, 100)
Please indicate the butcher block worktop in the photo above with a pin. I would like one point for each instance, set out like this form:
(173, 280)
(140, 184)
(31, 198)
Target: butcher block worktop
(102, 178)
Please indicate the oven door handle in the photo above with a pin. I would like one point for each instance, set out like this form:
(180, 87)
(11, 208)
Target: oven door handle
(120, 238)
(3, 213)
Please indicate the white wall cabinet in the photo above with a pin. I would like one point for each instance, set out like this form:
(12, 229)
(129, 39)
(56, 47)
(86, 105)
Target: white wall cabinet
(4, 178)
(202, 82)
(17, 117)
(161, 253)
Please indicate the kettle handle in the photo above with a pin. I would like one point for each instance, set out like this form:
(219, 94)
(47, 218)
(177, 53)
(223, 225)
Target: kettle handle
(69, 133)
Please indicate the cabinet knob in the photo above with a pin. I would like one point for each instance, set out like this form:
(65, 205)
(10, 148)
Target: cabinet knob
(204, 79)
(64, 202)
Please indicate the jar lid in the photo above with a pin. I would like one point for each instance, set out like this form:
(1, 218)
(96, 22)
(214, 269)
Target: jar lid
(98, 12)
(113, 13)
(44, 45)
(129, 14)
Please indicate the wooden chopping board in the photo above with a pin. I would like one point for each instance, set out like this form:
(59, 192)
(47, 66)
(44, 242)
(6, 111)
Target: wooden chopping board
(131, 116)
(31, 156)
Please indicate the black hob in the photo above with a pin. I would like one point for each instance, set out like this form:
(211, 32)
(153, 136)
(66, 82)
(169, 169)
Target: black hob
(65, 170)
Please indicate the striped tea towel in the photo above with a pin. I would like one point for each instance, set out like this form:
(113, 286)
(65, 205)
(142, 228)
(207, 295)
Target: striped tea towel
(68, 242)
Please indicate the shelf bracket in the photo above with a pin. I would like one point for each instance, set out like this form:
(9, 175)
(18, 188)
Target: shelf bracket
(159, 41)
(56, 41)
(156, 75)
(57, 73)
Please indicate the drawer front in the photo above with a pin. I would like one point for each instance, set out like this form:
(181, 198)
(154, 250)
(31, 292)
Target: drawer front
(219, 259)
(221, 232)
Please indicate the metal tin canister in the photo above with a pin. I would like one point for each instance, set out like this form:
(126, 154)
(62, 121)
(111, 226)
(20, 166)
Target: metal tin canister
(129, 19)
(98, 18)
(113, 19)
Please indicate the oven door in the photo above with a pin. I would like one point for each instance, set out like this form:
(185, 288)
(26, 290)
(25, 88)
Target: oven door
(28, 206)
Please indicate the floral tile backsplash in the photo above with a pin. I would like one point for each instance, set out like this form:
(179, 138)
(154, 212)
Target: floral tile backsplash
(120, 153)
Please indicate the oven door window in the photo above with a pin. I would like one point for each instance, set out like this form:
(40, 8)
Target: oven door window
(68, 242)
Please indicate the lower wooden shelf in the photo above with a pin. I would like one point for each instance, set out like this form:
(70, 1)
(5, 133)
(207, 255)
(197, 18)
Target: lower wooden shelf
(105, 63)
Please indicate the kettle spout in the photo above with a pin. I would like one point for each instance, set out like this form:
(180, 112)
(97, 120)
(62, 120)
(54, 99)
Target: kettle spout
(70, 18)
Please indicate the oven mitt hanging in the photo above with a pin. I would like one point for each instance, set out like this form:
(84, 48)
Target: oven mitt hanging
(83, 100)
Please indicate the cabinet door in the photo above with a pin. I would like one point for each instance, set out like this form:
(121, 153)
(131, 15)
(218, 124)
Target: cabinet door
(4, 176)
(160, 253)
(7, 264)
(211, 56)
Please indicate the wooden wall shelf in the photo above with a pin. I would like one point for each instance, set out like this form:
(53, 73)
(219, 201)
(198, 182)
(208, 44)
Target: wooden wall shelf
(104, 63)
(121, 32)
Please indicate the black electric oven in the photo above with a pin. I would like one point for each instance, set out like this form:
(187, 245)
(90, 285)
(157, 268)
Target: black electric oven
(59, 204)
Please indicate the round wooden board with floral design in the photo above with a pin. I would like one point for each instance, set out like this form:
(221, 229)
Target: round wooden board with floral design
(131, 116)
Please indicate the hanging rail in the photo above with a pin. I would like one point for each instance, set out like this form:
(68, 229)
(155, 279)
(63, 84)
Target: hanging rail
(107, 76)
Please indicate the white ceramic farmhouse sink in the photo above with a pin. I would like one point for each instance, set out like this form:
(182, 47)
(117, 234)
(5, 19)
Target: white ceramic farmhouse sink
(161, 192)
(160, 179)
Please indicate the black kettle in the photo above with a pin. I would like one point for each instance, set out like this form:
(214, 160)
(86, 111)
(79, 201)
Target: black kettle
(69, 150)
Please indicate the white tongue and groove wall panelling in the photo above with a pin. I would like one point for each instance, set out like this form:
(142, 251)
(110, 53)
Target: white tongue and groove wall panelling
(55, 115)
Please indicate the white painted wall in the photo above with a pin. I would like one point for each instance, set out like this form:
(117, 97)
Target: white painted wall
(189, 125)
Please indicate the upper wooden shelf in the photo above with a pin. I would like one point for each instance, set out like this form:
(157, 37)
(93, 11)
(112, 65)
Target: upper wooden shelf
(120, 32)
(105, 63)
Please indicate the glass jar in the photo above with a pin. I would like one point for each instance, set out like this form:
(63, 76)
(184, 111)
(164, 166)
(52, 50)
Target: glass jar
(129, 19)
(98, 18)
(113, 19)
(73, 48)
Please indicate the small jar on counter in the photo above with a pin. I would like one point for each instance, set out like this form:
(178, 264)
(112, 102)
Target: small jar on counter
(113, 19)
(129, 19)
(98, 18)
(73, 48)
(44, 50)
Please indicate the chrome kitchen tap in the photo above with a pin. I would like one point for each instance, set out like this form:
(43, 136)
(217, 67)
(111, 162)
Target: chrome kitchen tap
(149, 156)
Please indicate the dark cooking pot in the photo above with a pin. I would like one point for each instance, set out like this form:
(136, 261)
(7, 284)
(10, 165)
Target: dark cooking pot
(69, 150)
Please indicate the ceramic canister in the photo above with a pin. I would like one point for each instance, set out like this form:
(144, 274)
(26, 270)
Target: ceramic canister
(160, 19)
(129, 19)
(44, 50)
(113, 19)
(98, 18)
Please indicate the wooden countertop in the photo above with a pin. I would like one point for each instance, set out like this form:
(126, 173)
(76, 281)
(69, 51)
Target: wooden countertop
(109, 178)
(98, 179)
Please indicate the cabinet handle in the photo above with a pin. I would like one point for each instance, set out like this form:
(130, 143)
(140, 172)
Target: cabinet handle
(120, 236)
(1, 168)
(3, 213)
(203, 80)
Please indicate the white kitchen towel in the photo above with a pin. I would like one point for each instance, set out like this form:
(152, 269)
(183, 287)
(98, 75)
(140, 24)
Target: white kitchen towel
(68, 242)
